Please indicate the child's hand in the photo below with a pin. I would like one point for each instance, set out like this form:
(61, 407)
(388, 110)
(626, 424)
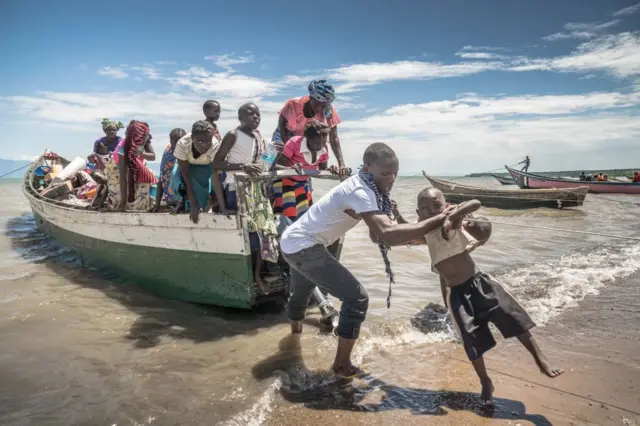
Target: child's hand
(298, 168)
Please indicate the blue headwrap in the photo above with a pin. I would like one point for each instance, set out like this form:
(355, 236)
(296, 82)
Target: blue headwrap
(322, 91)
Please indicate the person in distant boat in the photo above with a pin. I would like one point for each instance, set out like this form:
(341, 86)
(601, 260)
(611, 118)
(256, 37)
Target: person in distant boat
(191, 177)
(297, 113)
(526, 163)
(164, 190)
(107, 144)
(600, 177)
(473, 298)
(605, 177)
(364, 196)
(588, 178)
(129, 180)
(636, 177)
(583, 177)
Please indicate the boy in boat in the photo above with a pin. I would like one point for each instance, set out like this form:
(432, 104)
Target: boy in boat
(473, 298)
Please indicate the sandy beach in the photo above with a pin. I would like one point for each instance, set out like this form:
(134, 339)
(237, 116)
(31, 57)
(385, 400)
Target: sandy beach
(597, 345)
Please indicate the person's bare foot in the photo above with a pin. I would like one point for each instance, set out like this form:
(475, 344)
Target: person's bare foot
(180, 207)
(486, 394)
(296, 327)
(547, 369)
(348, 371)
(262, 285)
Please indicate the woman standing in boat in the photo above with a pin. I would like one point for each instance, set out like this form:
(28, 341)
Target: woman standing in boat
(129, 180)
(298, 112)
(191, 178)
(107, 144)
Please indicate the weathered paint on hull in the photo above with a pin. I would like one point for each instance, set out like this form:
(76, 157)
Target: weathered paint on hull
(209, 278)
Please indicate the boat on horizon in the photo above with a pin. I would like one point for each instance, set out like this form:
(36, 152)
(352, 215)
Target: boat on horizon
(209, 262)
(504, 180)
(509, 198)
(527, 180)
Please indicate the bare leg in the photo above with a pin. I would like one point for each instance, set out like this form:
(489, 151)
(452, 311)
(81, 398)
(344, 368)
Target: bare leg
(487, 386)
(530, 343)
(156, 205)
(296, 327)
(262, 286)
(342, 365)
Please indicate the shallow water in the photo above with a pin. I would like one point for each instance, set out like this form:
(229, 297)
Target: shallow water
(78, 348)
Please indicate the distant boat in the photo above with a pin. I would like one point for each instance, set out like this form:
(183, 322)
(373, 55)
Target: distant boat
(508, 198)
(529, 180)
(505, 180)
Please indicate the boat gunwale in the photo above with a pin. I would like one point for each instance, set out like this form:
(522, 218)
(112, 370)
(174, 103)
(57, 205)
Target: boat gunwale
(559, 179)
(579, 192)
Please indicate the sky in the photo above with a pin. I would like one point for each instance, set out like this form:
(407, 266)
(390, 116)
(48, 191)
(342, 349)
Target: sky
(453, 87)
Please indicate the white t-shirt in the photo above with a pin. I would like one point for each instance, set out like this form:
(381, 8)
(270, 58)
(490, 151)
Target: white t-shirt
(184, 151)
(326, 221)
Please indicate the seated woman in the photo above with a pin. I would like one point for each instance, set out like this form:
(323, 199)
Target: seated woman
(129, 180)
(298, 112)
(164, 190)
(191, 176)
(293, 195)
(107, 144)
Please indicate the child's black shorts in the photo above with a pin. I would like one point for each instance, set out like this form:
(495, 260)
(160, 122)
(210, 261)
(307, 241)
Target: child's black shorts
(477, 302)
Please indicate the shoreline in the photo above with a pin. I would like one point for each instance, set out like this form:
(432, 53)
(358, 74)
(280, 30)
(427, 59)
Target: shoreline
(596, 344)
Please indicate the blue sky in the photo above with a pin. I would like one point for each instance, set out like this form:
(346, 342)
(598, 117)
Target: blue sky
(453, 87)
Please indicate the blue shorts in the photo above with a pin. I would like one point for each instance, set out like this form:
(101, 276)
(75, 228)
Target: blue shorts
(231, 200)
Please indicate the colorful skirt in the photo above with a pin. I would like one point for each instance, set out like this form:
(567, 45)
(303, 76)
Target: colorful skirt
(291, 197)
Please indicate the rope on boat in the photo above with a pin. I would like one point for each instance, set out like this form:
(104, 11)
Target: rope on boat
(16, 170)
(547, 228)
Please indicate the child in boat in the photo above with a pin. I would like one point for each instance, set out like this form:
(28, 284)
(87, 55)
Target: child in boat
(474, 298)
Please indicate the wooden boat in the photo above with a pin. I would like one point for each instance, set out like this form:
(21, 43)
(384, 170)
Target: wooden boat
(508, 180)
(509, 199)
(530, 180)
(209, 262)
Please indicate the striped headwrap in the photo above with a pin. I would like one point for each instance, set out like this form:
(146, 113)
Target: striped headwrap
(108, 124)
(137, 132)
(384, 204)
(322, 91)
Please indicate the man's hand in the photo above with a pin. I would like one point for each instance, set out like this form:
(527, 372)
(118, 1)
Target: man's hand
(394, 208)
(298, 168)
(194, 215)
(333, 170)
(344, 172)
(252, 169)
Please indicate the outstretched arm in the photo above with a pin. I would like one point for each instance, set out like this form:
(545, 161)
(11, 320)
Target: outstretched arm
(394, 234)
(454, 221)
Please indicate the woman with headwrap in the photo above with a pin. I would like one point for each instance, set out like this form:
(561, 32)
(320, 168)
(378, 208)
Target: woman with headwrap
(129, 179)
(299, 112)
(107, 144)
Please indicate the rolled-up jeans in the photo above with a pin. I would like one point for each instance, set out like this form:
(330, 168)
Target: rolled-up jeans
(315, 266)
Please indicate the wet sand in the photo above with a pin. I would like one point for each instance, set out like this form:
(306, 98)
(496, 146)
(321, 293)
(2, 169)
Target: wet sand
(597, 344)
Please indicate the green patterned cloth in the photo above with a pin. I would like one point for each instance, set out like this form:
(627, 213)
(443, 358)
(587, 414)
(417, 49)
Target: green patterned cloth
(261, 220)
(107, 124)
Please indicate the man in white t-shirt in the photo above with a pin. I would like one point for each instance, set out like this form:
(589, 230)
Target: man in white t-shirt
(364, 196)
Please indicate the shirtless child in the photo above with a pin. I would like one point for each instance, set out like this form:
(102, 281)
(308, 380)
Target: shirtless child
(474, 298)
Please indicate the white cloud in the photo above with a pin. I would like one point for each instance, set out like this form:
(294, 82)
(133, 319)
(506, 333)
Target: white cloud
(482, 133)
(479, 55)
(627, 10)
(470, 47)
(148, 71)
(617, 55)
(227, 61)
(580, 30)
(115, 72)
(227, 84)
(354, 77)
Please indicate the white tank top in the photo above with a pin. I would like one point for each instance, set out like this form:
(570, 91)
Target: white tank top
(441, 249)
(242, 152)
